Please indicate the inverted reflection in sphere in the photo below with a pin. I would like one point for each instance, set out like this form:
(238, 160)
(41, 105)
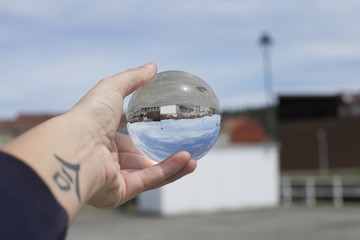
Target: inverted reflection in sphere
(174, 111)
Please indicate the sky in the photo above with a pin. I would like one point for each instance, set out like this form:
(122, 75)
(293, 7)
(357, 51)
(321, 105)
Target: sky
(53, 52)
(161, 139)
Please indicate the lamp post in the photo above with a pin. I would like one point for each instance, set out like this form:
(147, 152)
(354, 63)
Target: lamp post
(265, 43)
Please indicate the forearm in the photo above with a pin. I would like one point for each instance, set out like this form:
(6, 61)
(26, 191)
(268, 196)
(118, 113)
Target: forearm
(57, 152)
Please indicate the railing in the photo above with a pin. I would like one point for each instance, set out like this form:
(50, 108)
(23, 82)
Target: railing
(312, 189)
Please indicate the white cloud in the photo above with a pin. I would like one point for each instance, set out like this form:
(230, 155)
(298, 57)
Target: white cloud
(339, 50)
(51, 47)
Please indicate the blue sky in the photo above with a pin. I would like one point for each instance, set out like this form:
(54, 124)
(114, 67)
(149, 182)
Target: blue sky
(159, 140)
(52, 52)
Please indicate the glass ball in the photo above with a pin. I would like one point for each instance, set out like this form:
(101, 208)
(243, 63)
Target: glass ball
(174, 111)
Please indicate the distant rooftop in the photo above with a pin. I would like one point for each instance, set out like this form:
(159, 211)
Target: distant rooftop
(25, 121)
(318, 106)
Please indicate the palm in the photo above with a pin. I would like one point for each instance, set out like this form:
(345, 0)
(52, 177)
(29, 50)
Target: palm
(127, 172)
(121, 183)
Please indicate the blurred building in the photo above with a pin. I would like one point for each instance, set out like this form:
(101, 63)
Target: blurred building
(319, 132)
(241, 171)
(244, 129)
(230, 177)
(10, 129)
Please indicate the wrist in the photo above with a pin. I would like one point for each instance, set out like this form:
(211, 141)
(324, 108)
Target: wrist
(77, 154)
(60, 151)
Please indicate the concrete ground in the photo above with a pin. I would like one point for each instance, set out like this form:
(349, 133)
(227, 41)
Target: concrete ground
(283, 223)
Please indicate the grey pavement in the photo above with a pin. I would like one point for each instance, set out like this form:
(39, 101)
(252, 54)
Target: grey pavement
(290, 223)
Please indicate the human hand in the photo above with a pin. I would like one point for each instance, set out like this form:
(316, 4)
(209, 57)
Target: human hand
(123, 172)
(106, 168)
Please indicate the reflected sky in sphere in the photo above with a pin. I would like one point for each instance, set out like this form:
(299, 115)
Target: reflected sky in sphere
(160, 139)
(174, 111)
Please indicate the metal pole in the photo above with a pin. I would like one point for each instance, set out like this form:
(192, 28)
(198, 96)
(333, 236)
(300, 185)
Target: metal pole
(268, 86)
(338, 192)
(265, 42)
(287, 191)
(310, 191)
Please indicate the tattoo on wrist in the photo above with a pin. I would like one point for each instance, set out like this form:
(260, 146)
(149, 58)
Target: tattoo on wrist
(64, 179)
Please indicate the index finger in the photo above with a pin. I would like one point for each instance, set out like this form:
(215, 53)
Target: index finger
(130, 80)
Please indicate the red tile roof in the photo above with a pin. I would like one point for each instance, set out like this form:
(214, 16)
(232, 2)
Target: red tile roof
(245, 130)
(24, 122)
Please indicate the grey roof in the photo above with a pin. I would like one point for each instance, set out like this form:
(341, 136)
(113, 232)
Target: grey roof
(174, 87)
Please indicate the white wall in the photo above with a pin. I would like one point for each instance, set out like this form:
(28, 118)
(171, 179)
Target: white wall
(228, 177)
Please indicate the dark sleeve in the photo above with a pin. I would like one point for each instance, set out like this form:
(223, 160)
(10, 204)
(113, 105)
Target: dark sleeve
(28, 210)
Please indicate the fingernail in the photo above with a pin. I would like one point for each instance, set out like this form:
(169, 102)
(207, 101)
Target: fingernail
(149, 65)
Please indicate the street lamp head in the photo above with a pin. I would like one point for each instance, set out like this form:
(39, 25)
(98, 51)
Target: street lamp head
(265, 40)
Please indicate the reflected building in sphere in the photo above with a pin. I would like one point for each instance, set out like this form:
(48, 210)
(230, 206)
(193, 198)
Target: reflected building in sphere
(175, 111)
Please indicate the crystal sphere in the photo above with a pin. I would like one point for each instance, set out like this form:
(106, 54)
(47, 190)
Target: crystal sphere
(174, 111)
